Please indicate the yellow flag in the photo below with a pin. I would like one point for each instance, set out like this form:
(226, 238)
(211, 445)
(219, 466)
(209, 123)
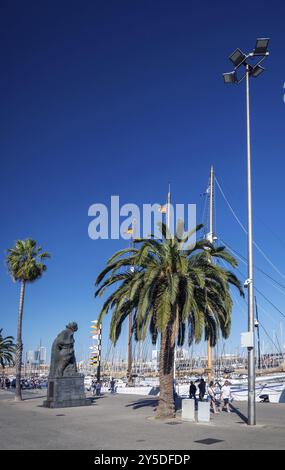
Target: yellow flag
(163, 209)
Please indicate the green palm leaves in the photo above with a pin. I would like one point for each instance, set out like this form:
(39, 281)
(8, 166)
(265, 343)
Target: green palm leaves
(25, 261)
(7, 350)
(163, 281)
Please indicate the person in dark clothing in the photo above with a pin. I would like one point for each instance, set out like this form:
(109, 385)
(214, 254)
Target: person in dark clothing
(202, 389)
(192, 390)
(113, 385)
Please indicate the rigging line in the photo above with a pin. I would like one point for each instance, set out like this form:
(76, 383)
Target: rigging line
(244, 229)
(244, 260)
(230, 207)
(255, 288)
(268, 314)
(215, 209)
(259, 305)
(243, 311)
(269, 301)
(203, 207)
(269, 337)
(270, 230)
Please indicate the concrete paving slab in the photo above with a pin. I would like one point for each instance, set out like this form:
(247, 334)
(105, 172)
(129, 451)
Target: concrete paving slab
(127, 422)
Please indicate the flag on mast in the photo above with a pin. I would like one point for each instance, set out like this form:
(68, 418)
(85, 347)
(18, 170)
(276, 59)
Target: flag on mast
(163, 209)
(131, 228)
(168, 208)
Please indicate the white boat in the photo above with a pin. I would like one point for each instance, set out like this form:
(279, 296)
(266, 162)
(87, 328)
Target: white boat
(271, 385)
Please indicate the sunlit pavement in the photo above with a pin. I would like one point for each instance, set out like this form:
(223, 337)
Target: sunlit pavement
(127, 422)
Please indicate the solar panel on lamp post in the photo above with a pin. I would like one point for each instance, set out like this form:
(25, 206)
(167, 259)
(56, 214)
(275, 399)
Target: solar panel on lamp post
(238, 58)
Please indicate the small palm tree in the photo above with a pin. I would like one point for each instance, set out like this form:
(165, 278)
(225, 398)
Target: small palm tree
(170, 288)
(7, 350)
(25, 264)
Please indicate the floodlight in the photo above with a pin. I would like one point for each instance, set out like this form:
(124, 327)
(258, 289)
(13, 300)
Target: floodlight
(257, 70)
(237, 57)
(261, 46)
(230, 77)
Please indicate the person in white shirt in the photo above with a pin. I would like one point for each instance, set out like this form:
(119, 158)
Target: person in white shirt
(226, 395)
(212, 397)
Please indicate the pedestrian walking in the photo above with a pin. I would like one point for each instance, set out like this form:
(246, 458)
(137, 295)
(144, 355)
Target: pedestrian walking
(202, 389)
(212, 397)
(226, 395)
(192, 390)
(98, 388)
(112, 385)
(93, 386)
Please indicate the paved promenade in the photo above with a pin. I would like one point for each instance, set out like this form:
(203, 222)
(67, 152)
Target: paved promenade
(127, 422)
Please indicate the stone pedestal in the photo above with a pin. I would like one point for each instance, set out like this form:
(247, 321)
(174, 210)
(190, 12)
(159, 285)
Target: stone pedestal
(66, 392)
(203, 412)
(188, 409)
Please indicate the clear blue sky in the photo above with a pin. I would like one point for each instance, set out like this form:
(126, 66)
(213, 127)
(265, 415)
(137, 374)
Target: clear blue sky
(119, 97)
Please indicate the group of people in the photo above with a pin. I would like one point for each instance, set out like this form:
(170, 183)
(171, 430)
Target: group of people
(217, 394)
(96, 386)
(6, 383)
(26, 383)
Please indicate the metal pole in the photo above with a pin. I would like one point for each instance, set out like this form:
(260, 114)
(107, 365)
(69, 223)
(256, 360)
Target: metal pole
(258, 335)
(130, 331)
(251, 358)
(210, 350)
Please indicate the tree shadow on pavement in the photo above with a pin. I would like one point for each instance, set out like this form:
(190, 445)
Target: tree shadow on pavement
(142, 403)
(239, 413)
(154, 403)
(35, 397)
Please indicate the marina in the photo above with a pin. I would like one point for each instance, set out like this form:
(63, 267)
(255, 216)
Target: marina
(142, 271)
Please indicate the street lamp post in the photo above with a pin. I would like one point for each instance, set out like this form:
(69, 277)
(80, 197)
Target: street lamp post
(254, 69)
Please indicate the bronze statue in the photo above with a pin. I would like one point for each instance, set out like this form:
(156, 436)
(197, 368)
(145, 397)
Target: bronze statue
(63, 362)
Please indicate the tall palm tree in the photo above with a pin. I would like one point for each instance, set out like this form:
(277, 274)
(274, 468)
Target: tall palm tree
(170, 289)
(7, 350)
(25, 264)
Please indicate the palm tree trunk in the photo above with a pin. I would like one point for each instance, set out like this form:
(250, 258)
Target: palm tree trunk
(166, 407)
(19, 350)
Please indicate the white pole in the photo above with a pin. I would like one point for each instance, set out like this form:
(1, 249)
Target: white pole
(251, 358)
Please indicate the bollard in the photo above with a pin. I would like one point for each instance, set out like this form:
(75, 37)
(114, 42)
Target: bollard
(188, 409)
(203, 412)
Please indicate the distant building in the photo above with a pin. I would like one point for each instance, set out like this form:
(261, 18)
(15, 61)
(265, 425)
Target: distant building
(31, 357)
(37, 357)
(43, 355)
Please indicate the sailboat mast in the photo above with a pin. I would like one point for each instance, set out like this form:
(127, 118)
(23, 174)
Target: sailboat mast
(130, 358)
(168, 208)
(211, 239)
(130, 333)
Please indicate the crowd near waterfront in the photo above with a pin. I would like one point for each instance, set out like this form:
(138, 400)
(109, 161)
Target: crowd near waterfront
(27, 383)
